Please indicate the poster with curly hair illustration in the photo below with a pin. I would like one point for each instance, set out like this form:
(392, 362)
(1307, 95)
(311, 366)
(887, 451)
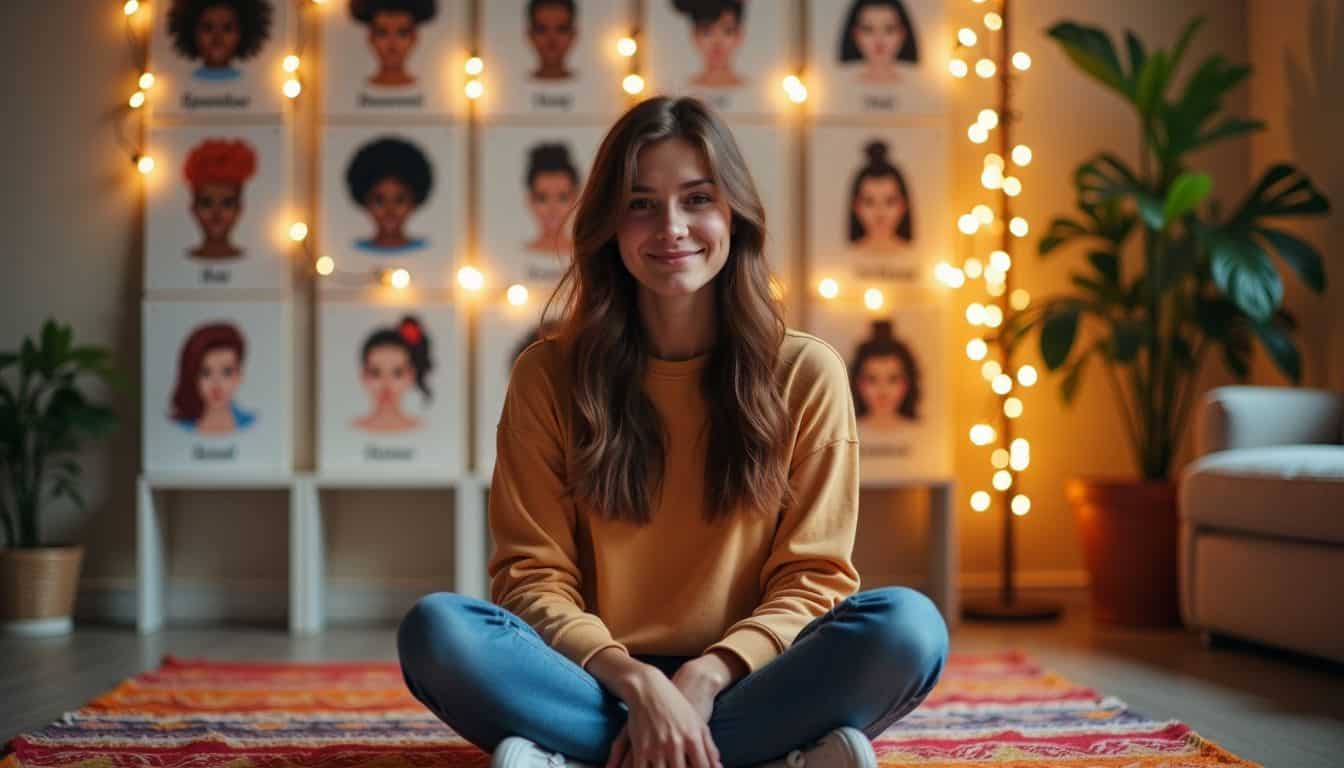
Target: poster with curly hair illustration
(393, 198)
(215, 217)
(899, 383)
(219, 57)
(879, 207)
(392, 390)
(505, 331)
(730, 53)
(394, 57)
(878, 57)
(217, 386)
(552, 57)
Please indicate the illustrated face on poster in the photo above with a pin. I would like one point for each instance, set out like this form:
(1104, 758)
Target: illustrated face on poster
(216, 385)
(725, 52)
(873, 56)
(885, 379)
(884, 220)
(392, 389)
(552, 190)
(768, 150)
(219, 56)
(551, 56)
(505, 332)
(216, 221)
(388, 56)
(391, 199)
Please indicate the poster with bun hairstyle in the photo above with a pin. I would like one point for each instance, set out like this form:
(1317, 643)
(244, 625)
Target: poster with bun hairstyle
(217, 210)
(878, 57)
(391, 389)
(218, 57)
(217, 386)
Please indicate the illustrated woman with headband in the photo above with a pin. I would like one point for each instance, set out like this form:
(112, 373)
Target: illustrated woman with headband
(391, 362)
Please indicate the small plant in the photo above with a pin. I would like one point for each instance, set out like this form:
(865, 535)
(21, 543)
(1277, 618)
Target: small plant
(44, 419)
(1200, 281)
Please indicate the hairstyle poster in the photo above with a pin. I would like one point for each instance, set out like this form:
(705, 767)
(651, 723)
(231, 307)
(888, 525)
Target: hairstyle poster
(769, 152)
(730, 53)
(394, 57)
(877, 57)
(529, 186)
(879, 205)
(553, 57)
(217, 386)
(392, 197)
(505, 331)
(392, 389)
(218, 210)
(219, 57)
(899, 383)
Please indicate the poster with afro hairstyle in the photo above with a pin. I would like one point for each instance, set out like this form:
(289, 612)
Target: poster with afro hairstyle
(215, 210)
(393, 197)
(219, 57)
(395, 57)
(392, 388)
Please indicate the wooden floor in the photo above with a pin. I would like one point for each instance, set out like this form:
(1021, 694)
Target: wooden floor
(1274, 708)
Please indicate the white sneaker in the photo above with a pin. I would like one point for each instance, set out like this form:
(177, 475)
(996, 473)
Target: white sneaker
(844, 747)
(518, 752)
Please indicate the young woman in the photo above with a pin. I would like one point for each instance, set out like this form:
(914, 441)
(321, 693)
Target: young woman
(674, 504)
(879, 206)
(885, 380)
(215, 170)
(394, 28)
(552, 183)
(209, 372)
(878, 34)
(390, 363)
(217, 32)
(389, 178)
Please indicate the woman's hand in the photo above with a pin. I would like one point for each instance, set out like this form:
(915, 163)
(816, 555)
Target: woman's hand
(665, 729)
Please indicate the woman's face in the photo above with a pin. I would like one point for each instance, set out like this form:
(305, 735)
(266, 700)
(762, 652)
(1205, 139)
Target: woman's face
(552, 34)
(216, 206)
(217, 35)
(389, 202)
(219, 376)
(392, 35)
(718, 40)
(550, 199)
(883, 384)
(387, 374)
(878, 34)
(675, 230)
(879, 206)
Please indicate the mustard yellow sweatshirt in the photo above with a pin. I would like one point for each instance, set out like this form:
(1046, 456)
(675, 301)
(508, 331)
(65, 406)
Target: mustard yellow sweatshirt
(678, 585)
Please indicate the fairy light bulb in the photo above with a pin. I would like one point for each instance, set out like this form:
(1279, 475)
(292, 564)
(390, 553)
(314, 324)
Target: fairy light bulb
(972, 267)
(292, 87)
(977, 133)
(325, 265)
(1000, 261)
(474, 66)
(985, 68)
(474, 89)
(984, 213)
(1002, 384)
(795, 89)
(988, 118)
(1020, 299)
(1022, 61)
(1003, 480)
(993, 21)
(470, 278)
(980, 501)
(517, 294)
(828, 288)
(958, 67)
(137, 100)
(1026, 375)
(975, 313)
(1018, 226)
(1011, 186)
(298, 231)
(994, 160)
(1018, 461)
(966, 36)
(399, 278)
(991, 177)
(993, 316)
(968, 224)
(1021, 505)
(1021, 155)
(949, 275)
(991, 369)
(872, 298)
(144, 164)
(291, 63)
(627, 46)
(130, 7)
(999, 458)
(982, 434)
(1012, 407)
(993, 275)
(146, 81)
(995, 289)
(633, 84)
(976, 349)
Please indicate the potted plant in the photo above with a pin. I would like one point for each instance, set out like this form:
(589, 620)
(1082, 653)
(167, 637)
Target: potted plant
(1165, 279)
(44, 419)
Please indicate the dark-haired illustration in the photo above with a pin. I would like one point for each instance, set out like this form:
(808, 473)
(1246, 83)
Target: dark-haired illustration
(217, 32)
(885, 381)
(391, 361)
(389, 178)
(536, 334)
(551, 29)
(209, 372)
(394, 28)
(216, 169)
(879, 34)
(552, 187)
(716, 32)
(879, 205)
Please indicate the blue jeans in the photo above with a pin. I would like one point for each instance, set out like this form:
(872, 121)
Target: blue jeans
(865, 663)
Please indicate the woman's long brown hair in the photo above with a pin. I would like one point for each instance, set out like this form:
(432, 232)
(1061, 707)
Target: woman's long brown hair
(618, 439)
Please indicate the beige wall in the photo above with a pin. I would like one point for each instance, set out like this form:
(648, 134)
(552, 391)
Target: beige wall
(72, 245)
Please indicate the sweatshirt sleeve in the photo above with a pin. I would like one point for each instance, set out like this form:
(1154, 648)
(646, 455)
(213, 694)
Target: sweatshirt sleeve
(533, 568)
(809, 569)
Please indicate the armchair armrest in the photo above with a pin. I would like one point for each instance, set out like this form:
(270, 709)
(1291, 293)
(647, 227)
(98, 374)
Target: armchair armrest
(1251, 417)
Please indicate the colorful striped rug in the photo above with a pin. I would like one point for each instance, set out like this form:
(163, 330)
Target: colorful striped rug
(989, 709)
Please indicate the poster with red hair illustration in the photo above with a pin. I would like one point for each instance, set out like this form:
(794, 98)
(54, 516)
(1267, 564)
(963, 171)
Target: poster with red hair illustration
(217, 386)
(392, 389)
(217, 209)
(218, 57)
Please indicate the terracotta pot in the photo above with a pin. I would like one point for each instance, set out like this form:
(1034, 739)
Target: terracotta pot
(1129, 531)
(37, 589)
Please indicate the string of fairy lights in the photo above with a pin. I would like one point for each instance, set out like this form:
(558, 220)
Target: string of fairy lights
(471, 278)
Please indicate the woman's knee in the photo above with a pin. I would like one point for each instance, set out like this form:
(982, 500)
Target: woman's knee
(906, 628)
(434, 635)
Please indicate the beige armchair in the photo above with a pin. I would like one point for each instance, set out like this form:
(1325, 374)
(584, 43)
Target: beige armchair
(1262, 519)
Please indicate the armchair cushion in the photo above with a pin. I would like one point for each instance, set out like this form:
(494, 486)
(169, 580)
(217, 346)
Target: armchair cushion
(1252, 417)
(1292, 491)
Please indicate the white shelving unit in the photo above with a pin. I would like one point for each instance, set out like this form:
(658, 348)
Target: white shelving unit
(943, 559)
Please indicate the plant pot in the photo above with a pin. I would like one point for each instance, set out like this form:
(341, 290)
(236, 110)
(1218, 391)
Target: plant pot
(37, 589)
(1129, 531)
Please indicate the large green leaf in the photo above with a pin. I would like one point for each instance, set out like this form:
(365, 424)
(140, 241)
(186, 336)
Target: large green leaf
(1187, 191)
(1281, 349)
(1107, 265)
(1127, 336)
(1232, 126)
(1243, 272)
(1068, 386)
(1091, 49)
(1061, 231)
(1282, 191)
(1106, 178)
(1299, 254)
(1059, 329)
